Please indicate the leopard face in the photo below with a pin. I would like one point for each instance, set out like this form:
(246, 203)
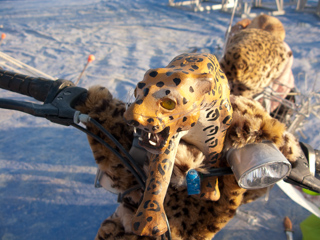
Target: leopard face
(253, 59)
(168, 100)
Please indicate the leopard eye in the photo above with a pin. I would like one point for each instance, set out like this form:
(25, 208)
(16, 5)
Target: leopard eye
(168, 104)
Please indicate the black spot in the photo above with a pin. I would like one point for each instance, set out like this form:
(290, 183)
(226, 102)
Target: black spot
(139, 214)
(210, 66)
(100, 159)
(107, 221)
(184, 119)
(136, 225)
(145, 91)
(160, 84)
(191, 59)
(184, 225)
(139, 101)
(155, 230)
(154, 128)
(141, 85)
(185, 101)
(179, 129)
(227, 118)
(117, 112)
(177, 81)
(215, 115)
(175, 207)
(191, 89)
(150, 120)
(169, 74)
(185, 72)
(170, 117)
(185, 211)
(153, 74)
(212, 228)
(145, 206)
(192, 124)
(161, 171)
(209, 113)
(168, 92)
(149, 219)
(195, 67)
(167, 151)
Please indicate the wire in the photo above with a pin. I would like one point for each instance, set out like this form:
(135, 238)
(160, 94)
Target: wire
(218, 172)
(112, 138)
(124, 161)
(168, 233)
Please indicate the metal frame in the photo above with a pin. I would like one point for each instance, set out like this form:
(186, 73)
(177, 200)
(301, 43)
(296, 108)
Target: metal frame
(203, 5)
(303, 7)
(243, 8)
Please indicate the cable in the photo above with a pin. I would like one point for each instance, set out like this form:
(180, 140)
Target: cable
(124, 161)
(168, 233)
(112, 138)
(218, 172)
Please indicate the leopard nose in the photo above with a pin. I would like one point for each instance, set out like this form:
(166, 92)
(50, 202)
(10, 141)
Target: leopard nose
(155, 128)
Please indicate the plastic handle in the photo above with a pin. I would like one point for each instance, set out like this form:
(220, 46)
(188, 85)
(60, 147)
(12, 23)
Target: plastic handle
(38, 88)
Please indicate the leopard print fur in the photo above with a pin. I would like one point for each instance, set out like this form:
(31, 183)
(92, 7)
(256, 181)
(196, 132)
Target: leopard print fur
(190, 217)
(189, 100)
(253, 59)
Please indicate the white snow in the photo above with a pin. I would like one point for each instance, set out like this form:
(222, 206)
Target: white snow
(47, 171)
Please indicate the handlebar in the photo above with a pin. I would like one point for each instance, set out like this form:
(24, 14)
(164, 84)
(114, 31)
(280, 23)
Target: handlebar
(37, 88)
(59, 96)
(300, 174)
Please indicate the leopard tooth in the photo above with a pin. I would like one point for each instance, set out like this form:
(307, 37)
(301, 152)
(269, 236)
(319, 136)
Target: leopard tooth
(152, 143)
(149, 135)
(140, 139)
(134, 130)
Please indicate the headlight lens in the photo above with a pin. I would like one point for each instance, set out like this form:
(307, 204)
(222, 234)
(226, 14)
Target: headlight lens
(264, 176)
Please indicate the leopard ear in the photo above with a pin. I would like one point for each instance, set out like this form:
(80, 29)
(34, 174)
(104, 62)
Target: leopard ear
(203, 85)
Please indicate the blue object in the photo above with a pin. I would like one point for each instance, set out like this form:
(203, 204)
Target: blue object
(193, 182)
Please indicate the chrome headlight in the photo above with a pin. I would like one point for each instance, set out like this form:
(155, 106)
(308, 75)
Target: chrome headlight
(258, 165)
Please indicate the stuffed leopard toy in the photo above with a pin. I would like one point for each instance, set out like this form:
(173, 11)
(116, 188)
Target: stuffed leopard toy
(256, 56)
(258, 63)
(189, 100)
(189, 216)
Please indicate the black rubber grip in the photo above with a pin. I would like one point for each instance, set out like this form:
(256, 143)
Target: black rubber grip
(38, 88)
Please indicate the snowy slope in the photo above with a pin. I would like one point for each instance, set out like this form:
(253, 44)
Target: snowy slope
(47, 171)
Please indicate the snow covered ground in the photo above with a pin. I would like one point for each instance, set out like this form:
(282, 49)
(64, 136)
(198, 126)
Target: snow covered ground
(47, 171)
